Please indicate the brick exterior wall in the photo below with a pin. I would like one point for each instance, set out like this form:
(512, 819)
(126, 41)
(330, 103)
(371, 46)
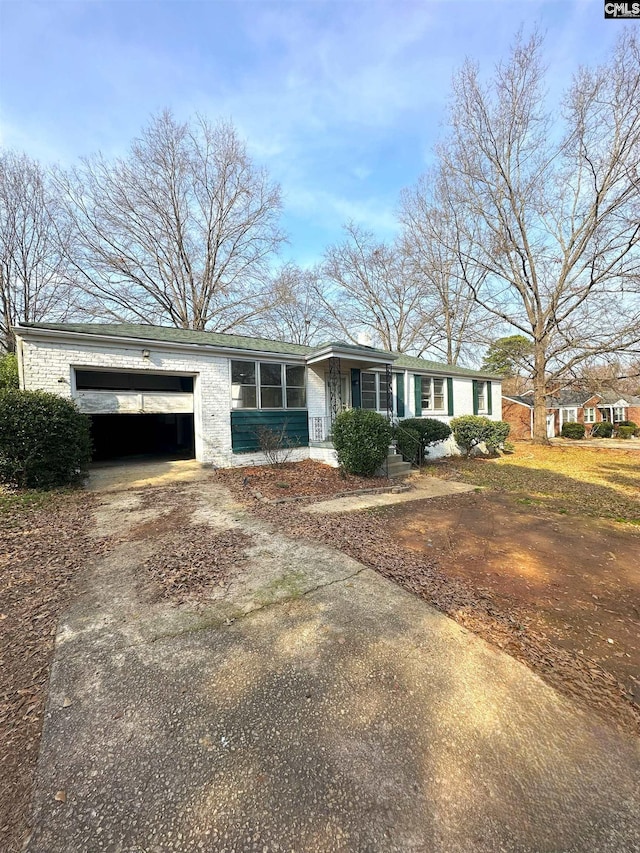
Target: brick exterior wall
(519, 418)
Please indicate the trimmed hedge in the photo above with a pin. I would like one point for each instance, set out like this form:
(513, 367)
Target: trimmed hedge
(572, 430)
(471, 430)
(626, 431)
(429, 431)
(44, 440)
(361, 439)
(604, 429)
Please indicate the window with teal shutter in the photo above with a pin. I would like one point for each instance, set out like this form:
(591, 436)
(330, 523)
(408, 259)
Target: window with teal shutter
(475, 397)
(418, 395)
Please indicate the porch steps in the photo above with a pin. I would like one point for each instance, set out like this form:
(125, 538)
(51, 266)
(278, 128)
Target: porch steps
(395, 466)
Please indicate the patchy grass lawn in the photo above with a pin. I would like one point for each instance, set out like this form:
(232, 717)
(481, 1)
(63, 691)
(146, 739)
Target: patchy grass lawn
(567, 480)
(42, 544)
(542, 561)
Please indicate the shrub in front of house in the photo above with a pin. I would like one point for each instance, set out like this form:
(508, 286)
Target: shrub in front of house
(361, 439)
(44, 440)
(409, 443)
(626, 431)
(632, 424)
(430, 431)
(572, 430)
(471, 430)
(604, 429)
(9, 372)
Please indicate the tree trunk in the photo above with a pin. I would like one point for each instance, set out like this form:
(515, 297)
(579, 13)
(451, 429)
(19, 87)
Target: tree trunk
(539, 394)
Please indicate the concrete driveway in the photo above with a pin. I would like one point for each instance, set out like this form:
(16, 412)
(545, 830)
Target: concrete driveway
(311, 705)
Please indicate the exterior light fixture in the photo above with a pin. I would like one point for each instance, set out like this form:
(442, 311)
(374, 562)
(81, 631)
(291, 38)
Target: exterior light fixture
(145, 353)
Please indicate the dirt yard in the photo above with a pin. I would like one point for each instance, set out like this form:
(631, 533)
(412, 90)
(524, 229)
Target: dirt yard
(543, 561)
(295, 479)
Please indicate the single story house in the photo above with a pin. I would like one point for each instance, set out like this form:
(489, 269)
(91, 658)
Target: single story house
(567, 407)
(207, 395)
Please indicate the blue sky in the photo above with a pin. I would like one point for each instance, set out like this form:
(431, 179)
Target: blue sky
(341, 101)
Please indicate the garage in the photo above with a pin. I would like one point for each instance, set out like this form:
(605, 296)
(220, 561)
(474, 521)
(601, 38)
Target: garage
(138, 414)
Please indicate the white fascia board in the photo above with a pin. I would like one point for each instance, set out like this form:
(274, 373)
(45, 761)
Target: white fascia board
(151, 343)
(350, 355)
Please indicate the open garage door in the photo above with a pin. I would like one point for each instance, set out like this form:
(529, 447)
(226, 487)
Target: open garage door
(137, 414)
(162, 436)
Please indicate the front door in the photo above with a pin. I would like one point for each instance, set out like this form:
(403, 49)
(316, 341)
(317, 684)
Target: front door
(551, 426)
(344, 393)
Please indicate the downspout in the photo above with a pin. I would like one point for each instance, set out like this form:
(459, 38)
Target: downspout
(531, 423)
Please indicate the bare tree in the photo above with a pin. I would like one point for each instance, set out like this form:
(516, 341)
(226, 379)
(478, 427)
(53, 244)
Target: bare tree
(180, 230)
(369, 290)
(34, 268)
(547, 210)
(458, 324)
(295, 312)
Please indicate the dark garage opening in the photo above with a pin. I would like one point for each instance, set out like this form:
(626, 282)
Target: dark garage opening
(121, 436)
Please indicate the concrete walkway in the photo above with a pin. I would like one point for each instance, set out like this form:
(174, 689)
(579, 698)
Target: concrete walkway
(423, 488)
(310, 706)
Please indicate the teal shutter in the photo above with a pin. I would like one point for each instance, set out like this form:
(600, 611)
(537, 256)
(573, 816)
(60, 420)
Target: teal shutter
(400, 395)
(475, 397)
(489, 409)
(356, 397)
(418, 395)
(450, 395)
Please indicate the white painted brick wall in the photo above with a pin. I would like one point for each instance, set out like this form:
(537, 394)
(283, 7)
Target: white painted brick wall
(45, 363)
(48, 366)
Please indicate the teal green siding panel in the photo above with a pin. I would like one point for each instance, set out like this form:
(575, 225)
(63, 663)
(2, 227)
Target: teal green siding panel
(356, 396)
(245, 424)
(489, 400)
(400, 394)
(450, 395)
(475, 397)
(418, 395)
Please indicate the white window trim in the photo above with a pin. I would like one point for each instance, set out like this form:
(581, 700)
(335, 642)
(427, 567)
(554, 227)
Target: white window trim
(565, 409)
(589, 414)
(379, 376)
(620, 409)
(445, 396)
(484, 409)
(283, 376)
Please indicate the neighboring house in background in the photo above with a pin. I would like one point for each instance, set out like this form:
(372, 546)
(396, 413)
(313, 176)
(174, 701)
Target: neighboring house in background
(151, 389)
(517, 411)
(569, 407)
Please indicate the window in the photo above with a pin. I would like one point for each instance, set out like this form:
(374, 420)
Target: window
(368, 391)
(589, 415)
(374, 392)
(296, 391)
(274, 385)
(570, 416)
(433, 394)
(270, 385)
(243, 385)
(618, 414)
(482, 396)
